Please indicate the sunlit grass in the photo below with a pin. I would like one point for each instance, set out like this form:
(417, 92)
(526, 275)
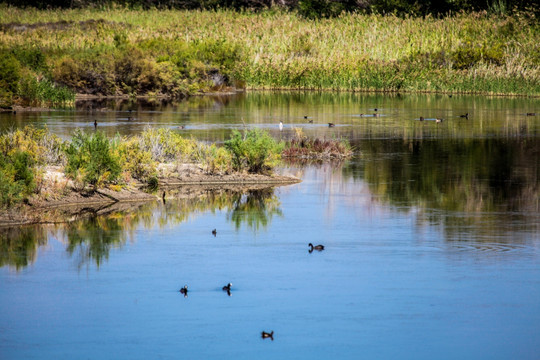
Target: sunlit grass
(463, 53)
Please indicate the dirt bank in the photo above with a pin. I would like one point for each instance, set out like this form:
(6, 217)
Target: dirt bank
(60, 202)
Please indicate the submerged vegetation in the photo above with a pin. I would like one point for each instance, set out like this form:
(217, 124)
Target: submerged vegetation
(49, 55)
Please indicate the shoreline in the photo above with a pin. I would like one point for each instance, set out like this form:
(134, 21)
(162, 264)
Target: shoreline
(75, 205)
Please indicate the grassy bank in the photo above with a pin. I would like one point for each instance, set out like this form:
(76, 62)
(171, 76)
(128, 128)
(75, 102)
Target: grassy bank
(35, 164)
(157, 52)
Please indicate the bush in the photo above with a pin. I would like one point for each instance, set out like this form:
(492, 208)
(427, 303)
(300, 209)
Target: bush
(91, 158)
(165, 145)
(16, 177)
(255, 151)
(41, 146)
(136, 161)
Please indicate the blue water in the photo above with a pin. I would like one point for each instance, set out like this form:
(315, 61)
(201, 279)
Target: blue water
(404, 274)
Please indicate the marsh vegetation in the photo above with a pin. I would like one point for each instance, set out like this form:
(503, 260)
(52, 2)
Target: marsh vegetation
(47, 56)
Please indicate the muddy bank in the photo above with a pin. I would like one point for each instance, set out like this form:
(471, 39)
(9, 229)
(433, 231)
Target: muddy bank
(70, 205)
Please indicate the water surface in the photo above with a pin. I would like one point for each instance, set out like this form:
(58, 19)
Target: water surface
(431, 234)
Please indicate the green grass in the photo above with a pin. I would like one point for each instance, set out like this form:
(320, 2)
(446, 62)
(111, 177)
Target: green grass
(172, 52)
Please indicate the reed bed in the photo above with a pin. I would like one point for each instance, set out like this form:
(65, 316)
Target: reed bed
(177, 50)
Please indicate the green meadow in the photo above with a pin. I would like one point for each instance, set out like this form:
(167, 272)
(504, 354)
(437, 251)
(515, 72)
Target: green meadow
(48, 56)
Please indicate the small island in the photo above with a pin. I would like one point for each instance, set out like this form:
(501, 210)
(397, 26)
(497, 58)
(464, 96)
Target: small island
(45, 179)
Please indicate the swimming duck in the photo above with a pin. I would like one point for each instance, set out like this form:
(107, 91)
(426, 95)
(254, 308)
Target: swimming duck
(331, 124)
(214, 232)
(421, 118)
(466, 116)
(310, 121)
(305, 116)
(270, 335)
(531, 114)
(438, 120)
(316, 247)
(227, 287)
(184, 291)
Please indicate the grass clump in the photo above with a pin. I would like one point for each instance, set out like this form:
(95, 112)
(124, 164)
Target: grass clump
(303, 148)
(254, 151)
(91, 159)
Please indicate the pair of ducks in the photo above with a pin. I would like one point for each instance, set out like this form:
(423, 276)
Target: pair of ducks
(270, 335)
(227, 288)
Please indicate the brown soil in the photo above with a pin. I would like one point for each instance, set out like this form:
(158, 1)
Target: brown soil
(59, 202)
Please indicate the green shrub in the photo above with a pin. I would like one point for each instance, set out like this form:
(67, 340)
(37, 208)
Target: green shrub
(136, 161)
(91, 158)
(255, 151)
(43, 147)
(10, 73)
(165, 145)
(16, 177)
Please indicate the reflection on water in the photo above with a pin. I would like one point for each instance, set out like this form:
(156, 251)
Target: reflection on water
(90, 240)
(19, 245)
(431, 237)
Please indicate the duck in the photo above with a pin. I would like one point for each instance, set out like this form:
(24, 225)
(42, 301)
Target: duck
(305, 116)
(214, 232)
(376, 109)
(95, 124)
(466, 116)
(531, 114)
(184, 290)
(182, 127)
(227, 287)
(421, 118)
(316, 247)
(331, 124)
(376, 115)
(439, 120)
(129, 118)
(310, 121)
(281, 126)
(266, 335)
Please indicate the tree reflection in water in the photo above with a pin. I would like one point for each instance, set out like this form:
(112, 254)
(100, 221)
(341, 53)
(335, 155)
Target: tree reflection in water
(19, 245)
(90, 240)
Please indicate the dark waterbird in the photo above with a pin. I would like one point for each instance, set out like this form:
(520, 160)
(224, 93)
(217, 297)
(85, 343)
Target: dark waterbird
(531, 114)
(331, 124)
(316, 247)
(95, 124)
(310, 121)
(227, 288)
(421, 118)
(305, 116)
(214, 232)
(184, 291)
(466, 116)
(266, 335)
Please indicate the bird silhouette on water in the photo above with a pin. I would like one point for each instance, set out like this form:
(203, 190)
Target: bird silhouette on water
(227, 288)
(316, 247)
(266, 335)
(331, 124)
(184, 291)
(214, 232)
(95, 124)
(466, 116)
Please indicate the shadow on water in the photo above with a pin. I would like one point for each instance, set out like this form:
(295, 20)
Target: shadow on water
(90, 239)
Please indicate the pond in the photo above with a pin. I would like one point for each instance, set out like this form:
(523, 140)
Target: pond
(431, 235)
